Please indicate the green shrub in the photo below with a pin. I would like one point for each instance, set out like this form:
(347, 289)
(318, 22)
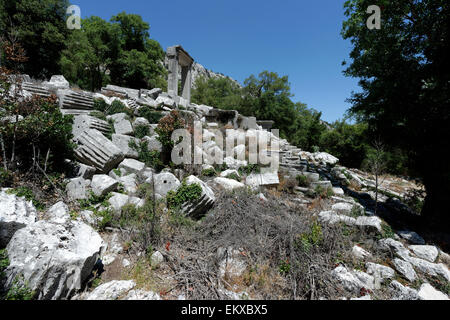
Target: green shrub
(118, 107)
(43, 131)
(98, 114)
(166, 126)
(149, 114)
(284, 267)
(100, 105)
(151, 158)
(141, 131)
(234, 176)
(185, 193)
(93, 200)
(211, 172)
(310, 239)
(105, 218)
(19, 290)
(249, 169)
(302, 181)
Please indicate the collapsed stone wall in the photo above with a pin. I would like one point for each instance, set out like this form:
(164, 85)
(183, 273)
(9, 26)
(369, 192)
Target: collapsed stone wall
(106, 164)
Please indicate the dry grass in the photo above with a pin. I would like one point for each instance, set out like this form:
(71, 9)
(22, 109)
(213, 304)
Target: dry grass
(289, 255)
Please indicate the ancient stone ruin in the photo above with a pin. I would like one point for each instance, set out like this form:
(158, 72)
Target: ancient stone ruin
(178, 57)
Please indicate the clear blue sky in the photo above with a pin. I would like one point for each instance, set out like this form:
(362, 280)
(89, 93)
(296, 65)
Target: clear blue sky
(298, 38)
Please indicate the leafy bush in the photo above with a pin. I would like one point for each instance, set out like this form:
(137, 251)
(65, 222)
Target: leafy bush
(100, 105)
(93, 200)
(234, 176)
(19, 291)
(312, 238)
(185, 193)
(42, 138)
(141, 131)
(151, 158)
(166, 127)
(118, 107)
(302, 181)
(249, 169)
(149, 114)
(211, 172)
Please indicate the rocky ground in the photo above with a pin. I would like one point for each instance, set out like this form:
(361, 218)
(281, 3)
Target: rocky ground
(123, 230)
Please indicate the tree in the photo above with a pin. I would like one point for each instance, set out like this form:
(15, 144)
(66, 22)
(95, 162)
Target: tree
(404, 74)
(376, 164)
(221, 93)
(140, 60)
(348, 142)
(90, 53)
(119, 52)
(41, 29)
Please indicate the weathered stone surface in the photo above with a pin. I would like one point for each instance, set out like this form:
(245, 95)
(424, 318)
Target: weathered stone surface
(76, 189)
(129, 182)
(429, 253)
(15, 213)
(231, 262)
(395, 247)
(360, 253)
(162, 101)
(379, 272)
(153, 143)
(401, 292)
(366, 297)
(123, 127)
(229, 172)
(156, 259)
(228, 184)
(102, 184)
(371, 224)
(342, 207)
(55, 260)
(332, 217)
(352, 282)
(140, 295)
(165, 182)
(234, 163)
(141, 122)
(323, 184)
(412, 237)
(405, 269)
(112, 290)
(119, 200)
(200, 206)
(84, 171)
(262, 179)
(57, 82)
(132, 166)
(58, 213)
(325, 158)
(432, 269)
(82, 123)
(427, 292)
(97, 151)
(338, 191)
(123, 143)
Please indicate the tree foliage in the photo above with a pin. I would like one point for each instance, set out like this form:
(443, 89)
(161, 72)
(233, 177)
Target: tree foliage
(119, 52)
(40, 26)
(404, 74)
